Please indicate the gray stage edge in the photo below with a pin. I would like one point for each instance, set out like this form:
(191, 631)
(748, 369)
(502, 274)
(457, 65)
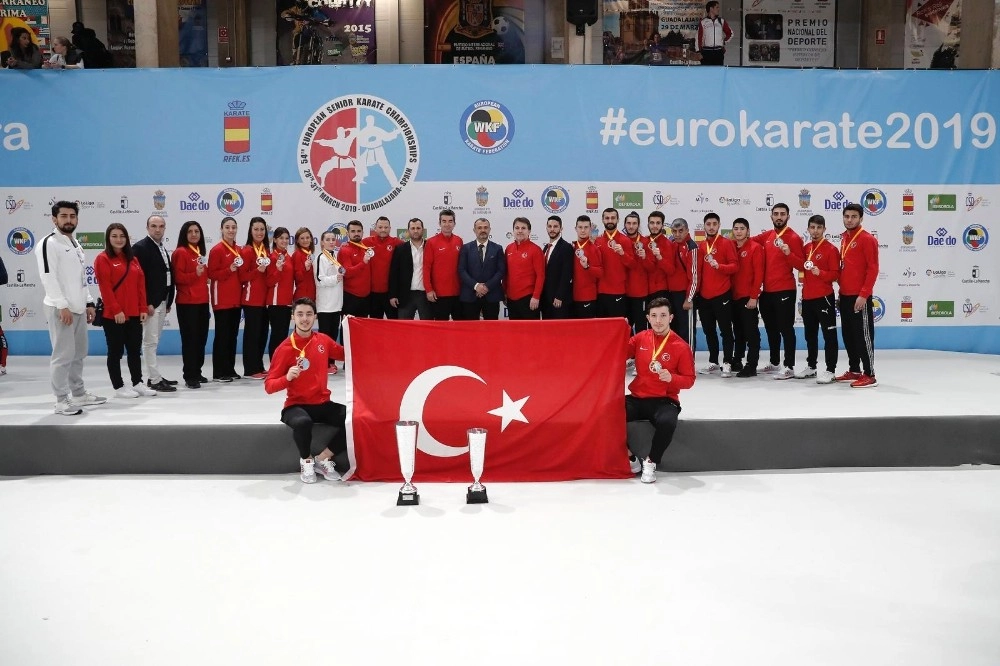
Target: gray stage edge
(699, 446)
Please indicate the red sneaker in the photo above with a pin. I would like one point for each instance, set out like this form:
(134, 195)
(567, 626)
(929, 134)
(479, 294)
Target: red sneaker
(259, 375)
(849, 377)
(864, 381)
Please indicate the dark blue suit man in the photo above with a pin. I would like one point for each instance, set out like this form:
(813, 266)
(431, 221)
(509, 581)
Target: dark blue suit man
(481, 268)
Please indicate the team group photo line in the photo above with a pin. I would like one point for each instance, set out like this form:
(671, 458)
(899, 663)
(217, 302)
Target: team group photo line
(274, 281)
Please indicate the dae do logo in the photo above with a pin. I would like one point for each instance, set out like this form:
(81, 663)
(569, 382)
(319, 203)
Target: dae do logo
(358, 152)
(487, 127)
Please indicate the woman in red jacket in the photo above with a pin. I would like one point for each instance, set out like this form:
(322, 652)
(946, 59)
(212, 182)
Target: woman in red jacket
(224, 262)
(305, 265)
(256, 258)
(280, 284)
(190, 262)
(123, 290)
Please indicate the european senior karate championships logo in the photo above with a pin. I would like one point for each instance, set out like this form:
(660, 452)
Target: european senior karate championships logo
(358, 152)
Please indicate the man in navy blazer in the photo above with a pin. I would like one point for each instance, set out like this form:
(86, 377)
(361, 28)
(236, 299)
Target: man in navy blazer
(481, 269)
(557, 293)
(155, 261)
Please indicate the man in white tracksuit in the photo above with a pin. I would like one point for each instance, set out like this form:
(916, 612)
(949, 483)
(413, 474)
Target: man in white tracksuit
(69, 308)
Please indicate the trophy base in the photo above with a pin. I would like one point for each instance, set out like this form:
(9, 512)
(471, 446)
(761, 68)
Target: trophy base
(476, 496)
(408, 499)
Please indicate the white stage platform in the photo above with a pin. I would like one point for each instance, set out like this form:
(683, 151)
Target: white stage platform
(911, 383)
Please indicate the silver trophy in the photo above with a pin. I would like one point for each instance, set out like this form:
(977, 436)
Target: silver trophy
(406, 443)
(477, 458)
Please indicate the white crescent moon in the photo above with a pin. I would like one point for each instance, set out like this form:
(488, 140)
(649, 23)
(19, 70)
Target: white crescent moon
(411, 408)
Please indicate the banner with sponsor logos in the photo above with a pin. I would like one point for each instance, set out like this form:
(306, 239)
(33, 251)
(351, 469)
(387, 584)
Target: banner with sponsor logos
(474, 32)
(358, 145)
(329, 32)
(789, 33)
(650, 34)
(933, 34)
(31, 15)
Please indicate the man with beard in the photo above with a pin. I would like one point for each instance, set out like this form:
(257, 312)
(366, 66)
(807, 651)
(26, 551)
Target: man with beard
(557, 291)
(618, 257)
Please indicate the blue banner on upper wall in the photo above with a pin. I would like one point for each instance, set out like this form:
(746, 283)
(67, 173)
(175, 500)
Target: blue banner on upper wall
(573, 123)
(319, 146)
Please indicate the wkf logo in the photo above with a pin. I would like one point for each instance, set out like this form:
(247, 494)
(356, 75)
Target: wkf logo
(20, 241)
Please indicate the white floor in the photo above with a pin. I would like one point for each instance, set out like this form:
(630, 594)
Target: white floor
(911, 383)
(805, 568)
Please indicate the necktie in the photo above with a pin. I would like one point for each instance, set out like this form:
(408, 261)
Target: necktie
(482, 254)
(548, 251)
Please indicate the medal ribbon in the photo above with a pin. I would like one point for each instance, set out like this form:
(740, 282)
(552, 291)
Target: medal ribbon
(777, 235)
(302, 352)
(845, 248)
(813, 250)
(235, 252)
(330, 257)
(610, 237)
(260, 250)
(714, 243)
(662, 345)
(195, 249)
(580, 247)
(361, 245)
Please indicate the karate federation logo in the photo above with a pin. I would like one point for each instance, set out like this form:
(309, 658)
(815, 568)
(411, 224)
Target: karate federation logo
(20, 241)
(878, 308)
(975, 237)
(555, 199)
(358, 152)
(230, 201)
(874, 201)
(487, 127)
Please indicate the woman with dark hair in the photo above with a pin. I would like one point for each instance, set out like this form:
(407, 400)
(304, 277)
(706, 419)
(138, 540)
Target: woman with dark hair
(280, 283)
(256, 258)
(24, 53)
(123, 290)
(190, 263)
(224, 262)
(64, 55)
(304, 263)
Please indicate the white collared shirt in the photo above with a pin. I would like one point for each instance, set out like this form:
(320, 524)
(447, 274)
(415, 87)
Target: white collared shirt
(417, 252)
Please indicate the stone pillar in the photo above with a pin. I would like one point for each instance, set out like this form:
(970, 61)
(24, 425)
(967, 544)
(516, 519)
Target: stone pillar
(156, 33)
(976, 50)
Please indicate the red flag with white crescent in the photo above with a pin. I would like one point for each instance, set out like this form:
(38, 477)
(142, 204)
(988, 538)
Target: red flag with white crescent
(550, 395)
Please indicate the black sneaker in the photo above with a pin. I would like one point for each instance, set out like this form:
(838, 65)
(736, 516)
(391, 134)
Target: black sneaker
(736, 365)
(234, 376)
(169, 381)
(747, 372)
(224, 380)
(162, 386)
(203, 379)
(193, 385)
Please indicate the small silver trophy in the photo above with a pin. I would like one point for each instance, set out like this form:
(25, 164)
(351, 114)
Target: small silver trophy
(406, 443)
(477, 458)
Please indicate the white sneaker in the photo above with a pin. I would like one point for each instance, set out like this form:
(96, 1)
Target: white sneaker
(769, 368)
(3, 369)
(634, 464)
(67, 408)
(784, 373)
(307, 470)
(648, 471)
(327, 470)
(142, 389)
(126, 392)
(727, 370)
(825, 377)
(87, 399)
(805, 373)
(709, 369)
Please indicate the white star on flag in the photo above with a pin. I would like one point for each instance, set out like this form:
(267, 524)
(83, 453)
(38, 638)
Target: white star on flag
(509, 411)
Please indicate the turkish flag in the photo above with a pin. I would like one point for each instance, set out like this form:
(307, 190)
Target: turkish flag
(550, 395)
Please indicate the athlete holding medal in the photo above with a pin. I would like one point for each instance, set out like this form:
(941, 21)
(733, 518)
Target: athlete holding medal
(664, 367)
(820, 270)
(299, 366)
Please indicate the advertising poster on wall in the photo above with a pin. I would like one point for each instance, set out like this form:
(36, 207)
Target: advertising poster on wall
(789, 33)
(933, 34)
(30, 16)
(474, 32)
(121, 33)
(650, 33)
(330, 32)
(192, 33)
